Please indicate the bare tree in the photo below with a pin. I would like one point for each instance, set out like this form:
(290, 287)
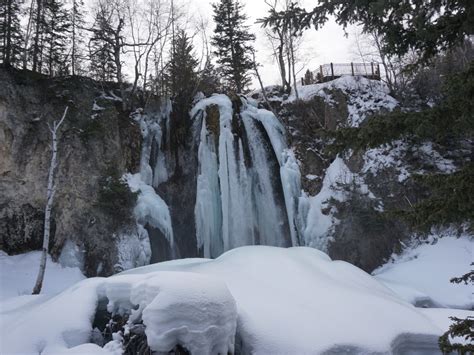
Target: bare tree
(51, 190)
(285, 41)
(277, 39)
(259, 78)
(369, 49)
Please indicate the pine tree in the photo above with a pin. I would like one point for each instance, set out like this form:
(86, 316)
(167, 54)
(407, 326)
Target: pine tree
(209, 79)
(231, 39)
(36, 48)
(181, 75)
(77, 22)
(10, 32)
(57, 30)
(50, 40)
(101, 51)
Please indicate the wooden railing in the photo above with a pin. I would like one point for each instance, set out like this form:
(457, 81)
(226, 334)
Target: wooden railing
(331, 71)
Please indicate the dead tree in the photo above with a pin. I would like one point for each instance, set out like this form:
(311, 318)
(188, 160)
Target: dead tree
(54, 128)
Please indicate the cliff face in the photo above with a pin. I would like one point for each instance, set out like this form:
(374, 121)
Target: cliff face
(349, 198)
(226, 175)
(94, 139)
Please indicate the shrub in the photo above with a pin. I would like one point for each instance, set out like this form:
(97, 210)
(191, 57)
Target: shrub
(115, 197)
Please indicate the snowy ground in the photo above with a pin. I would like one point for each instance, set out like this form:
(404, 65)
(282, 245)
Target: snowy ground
(18, 275)
(421, 275)
(279, 301)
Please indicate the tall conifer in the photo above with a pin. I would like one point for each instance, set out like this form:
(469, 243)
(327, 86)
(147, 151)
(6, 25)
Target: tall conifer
(232, 41)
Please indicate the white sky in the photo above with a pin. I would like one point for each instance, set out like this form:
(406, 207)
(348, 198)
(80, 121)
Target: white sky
(323, 46)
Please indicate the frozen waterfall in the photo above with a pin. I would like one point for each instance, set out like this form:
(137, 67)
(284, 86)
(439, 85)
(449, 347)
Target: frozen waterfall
(151, 210)
(248, 181)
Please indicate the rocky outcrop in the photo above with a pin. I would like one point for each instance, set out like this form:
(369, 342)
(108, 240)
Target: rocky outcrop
(354, 220)
(95, 138)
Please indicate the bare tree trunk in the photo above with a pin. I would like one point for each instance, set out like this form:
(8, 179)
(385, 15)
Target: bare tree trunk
(36, 49)
(27, 35)
(293, 64)
(265, 97)
(49, 202)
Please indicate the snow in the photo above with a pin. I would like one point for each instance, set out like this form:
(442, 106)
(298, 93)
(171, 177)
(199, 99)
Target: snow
(422, 273)
(387, 156)
(193, 310)
(391, 156)
(364, 96)
(189, 309)
(252, 291)
(429, 154)
(18, 275)
(96, 107)
(328, 304)
(133, 249)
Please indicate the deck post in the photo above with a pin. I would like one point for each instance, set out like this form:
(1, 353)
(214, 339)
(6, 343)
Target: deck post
(352, 68)
(321, 72)
(332, 71)
(372, 66)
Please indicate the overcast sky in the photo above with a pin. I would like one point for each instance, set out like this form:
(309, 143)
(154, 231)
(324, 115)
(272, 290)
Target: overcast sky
(319, 47)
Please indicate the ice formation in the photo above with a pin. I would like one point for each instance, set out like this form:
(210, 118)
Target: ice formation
(239, 199)
(151, 209)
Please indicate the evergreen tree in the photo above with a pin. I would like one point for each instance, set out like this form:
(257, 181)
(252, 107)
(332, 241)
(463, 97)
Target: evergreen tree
(209, 79)
(101, 50)
(37, 46)
(427, 27)
(10, 32)
(77, 22)
(231, 39)
(57, 30)
(181, 74)
(181, 79)
(50, 39)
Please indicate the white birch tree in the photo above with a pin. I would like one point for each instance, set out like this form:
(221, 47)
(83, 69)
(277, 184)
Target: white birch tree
(54, 128)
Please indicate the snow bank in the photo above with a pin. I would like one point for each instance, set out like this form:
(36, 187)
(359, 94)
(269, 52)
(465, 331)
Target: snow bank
(193, 310)
(298, 301)
(287, 301)
(18, 275)
(423, 272)
(364, 96)
(189, 309)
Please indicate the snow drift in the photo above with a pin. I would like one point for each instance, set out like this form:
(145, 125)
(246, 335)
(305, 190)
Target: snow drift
(271, 300)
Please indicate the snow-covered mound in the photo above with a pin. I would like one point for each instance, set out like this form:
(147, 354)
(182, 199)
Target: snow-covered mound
(288, 301)
(193, 310)
(422, 274)
(18, 275)
(364, 96)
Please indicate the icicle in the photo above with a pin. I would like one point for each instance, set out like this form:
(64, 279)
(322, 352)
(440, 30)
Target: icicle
(207, 211)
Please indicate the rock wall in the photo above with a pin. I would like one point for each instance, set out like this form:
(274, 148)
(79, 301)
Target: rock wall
(95, 137)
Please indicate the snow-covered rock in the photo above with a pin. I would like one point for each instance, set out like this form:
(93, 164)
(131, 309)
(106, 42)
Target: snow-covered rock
(364, 96)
